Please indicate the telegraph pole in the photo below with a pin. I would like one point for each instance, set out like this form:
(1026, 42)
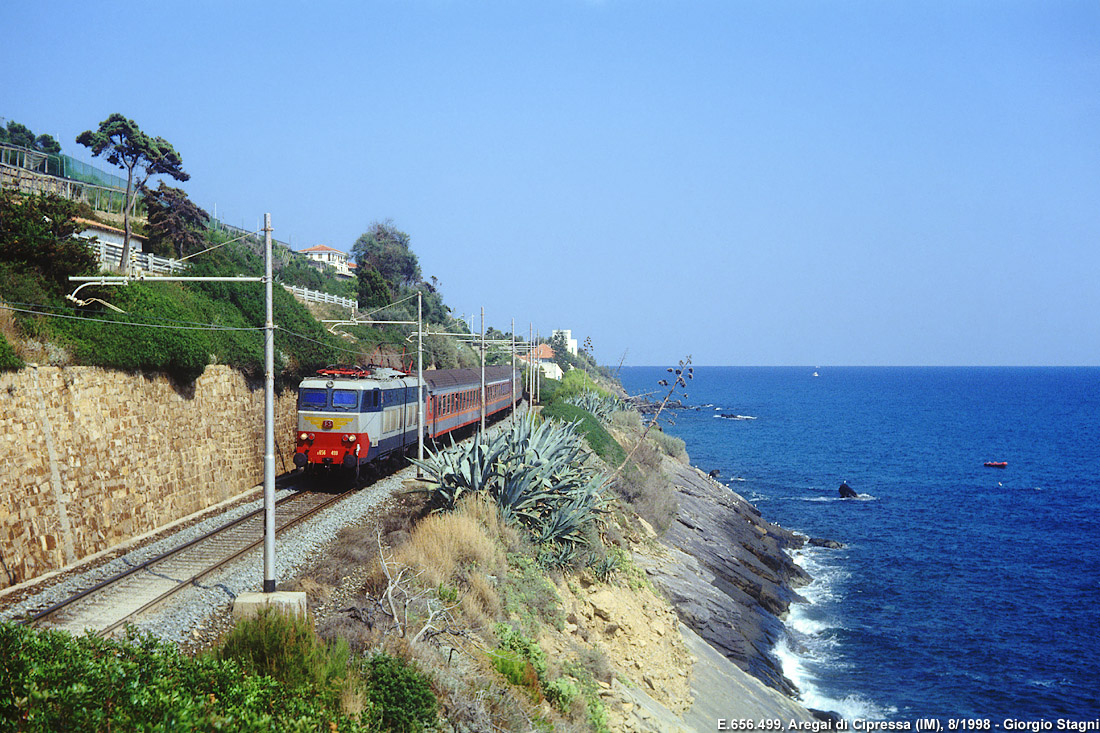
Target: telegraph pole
(269, 417)
(513, 379)
(420, 382)
(294, 601)
(483, 369)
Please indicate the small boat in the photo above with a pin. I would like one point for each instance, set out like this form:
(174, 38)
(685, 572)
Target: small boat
(816, 374)
(996, 464)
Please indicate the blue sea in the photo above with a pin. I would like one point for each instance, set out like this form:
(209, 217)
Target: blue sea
(962, 591)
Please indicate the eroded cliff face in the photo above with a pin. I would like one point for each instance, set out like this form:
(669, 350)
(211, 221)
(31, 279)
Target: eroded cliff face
(726, 571)
(91, 458)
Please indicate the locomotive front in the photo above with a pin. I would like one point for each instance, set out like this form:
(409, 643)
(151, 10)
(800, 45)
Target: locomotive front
(333, 429)
(351, 416)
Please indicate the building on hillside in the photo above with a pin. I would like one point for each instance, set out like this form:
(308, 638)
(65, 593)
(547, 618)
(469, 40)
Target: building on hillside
(543, 356)
(336, 259)
(570, 342)
(112, 236)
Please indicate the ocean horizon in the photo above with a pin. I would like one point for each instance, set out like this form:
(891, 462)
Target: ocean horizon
(962, 591)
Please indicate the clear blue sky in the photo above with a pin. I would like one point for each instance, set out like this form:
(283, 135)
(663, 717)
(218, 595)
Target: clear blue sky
(815, 183)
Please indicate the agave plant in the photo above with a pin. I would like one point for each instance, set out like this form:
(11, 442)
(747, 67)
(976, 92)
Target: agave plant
(606, 567)
(599, 405)
(460, 469)
(556, 556)
(533, 474)
(521, 494)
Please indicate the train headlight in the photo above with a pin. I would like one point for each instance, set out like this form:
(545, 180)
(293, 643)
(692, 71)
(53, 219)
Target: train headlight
(349, 438)
(302, 436)
(312, 436)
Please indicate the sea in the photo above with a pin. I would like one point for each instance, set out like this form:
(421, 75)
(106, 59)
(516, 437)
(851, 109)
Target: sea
(962, 592)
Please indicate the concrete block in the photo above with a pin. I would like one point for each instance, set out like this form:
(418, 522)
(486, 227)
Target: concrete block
(288, 602)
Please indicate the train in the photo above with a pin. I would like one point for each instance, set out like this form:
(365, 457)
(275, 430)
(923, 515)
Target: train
(351, 417)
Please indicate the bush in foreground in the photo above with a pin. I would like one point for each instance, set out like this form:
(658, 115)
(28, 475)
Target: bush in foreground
(52, 681)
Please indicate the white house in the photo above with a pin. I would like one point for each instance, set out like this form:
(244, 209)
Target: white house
(543, 356)
(328, 256)
(109, 235)
(570, 342)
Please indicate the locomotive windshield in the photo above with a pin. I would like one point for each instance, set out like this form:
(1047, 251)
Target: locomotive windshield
(312, 398)
(345, 399)
(338, 400)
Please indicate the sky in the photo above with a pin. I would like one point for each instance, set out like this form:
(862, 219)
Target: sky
(813, 183)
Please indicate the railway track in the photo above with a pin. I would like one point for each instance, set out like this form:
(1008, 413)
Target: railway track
(121, 598)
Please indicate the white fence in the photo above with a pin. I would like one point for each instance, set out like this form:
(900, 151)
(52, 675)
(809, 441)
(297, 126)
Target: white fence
(109, 255)
(313, 296)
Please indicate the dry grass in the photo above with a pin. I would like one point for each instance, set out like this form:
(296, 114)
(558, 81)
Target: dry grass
(446, 546)
(9, 329)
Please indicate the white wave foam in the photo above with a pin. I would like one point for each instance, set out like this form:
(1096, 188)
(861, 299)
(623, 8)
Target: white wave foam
(809, 645)
(850, 707)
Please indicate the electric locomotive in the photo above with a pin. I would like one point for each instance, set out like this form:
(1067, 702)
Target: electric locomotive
(349, 416)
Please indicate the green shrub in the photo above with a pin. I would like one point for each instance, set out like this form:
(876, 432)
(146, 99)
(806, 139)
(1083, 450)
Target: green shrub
(516, 670)
(38, 233)
(596, 434)
(590, 692)
(8, 359)
(532, 473)
(529, 596)
(577, 382)
(52, 681)
(670, 445)
(548, 390)
(528, 649)
(562, 692)
(155, 345)
(402, 693)
(285, 648)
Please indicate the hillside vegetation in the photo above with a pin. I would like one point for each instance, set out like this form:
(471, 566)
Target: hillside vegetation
(175, 328)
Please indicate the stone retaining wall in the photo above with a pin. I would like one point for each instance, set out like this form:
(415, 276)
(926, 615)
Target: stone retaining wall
(90, 458)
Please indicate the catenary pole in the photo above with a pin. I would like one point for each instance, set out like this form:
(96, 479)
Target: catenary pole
(420, 383)
(269, 379)
(483, 369)
(513, 376)
(269, 417)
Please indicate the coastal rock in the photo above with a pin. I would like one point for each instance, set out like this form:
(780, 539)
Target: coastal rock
(822, 542)
(727, 573)
(847, 492)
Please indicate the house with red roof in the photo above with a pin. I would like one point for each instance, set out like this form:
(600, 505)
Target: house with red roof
(336, 259)
(543, 356)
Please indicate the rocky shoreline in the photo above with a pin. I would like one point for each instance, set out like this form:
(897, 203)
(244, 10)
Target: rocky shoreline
(728, 573)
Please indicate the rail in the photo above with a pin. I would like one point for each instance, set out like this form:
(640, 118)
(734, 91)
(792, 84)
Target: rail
(305, 505)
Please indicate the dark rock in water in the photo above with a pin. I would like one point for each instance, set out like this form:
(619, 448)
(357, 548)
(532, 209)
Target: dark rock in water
(727, 573)
(833, 720)
(714, 473)
(648, 407)
(821, 542)
(847, 492)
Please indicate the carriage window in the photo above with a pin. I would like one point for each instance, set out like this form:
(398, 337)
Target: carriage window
(345, 399)
(312, 399)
